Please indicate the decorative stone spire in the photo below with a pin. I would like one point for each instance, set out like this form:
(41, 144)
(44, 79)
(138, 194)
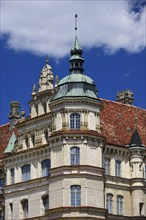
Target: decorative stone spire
(76, 60)
(14, 114)
(126, 97)
(34, 90)
(46, 77)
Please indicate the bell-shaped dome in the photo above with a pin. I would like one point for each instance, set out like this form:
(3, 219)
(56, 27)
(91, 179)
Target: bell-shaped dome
(76, 85)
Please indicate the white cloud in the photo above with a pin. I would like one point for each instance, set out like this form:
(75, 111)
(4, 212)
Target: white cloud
(47, 27)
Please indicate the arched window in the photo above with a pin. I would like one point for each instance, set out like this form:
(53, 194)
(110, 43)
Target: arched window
(75, 121)
(26, 172)
(24, 204)
(120, 205)
(45, 167)
(75, 195)
(75, 155)
(109, 202)
(45, 200)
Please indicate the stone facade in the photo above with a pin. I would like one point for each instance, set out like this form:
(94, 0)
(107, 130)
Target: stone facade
(73, 158)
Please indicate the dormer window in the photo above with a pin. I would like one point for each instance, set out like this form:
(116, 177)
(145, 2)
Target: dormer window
(75, 121)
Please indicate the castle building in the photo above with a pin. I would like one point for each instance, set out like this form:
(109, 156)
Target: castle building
(77, 156)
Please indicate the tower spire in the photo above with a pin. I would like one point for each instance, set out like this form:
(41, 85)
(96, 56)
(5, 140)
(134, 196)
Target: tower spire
(76, 16)
(76, 60)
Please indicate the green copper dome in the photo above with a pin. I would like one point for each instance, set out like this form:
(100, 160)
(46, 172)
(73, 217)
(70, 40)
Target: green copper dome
(76, 78)
(76, 84)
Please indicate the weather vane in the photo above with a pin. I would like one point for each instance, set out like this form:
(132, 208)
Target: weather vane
(76, 22)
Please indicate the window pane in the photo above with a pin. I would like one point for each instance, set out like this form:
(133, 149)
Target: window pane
(117, 168)
(119, 205)
(26, 172)
(75, 195)
(45, 200)
(107, 166)
(75, 155)
(75, 121)
(109, 202)
(25, 207)
(12, 175)
(45, 167)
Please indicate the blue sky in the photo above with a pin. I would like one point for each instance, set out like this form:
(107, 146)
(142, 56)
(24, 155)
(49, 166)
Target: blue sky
(111, 33)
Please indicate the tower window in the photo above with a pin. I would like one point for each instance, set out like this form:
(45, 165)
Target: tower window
(109, 202)
(24, 204)
(117, 168)
(107, 166)
(33, 139)
(26, 142)
(75, 155)
(12, 175)
(75, 195)
(75, 121)
(26, 172)
(45, 167)
(120, 205)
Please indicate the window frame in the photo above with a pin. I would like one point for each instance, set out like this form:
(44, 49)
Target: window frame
(107, 166)
(109, 203)
(45, 169)
(25, 207)
(26, 172)
(45, 201)
(75, 121)
(75, 191)
(119, 205)
(118, 168)
(74, 156)
(12, 172)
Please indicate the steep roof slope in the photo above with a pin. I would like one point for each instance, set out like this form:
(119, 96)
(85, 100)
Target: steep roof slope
(118, 121)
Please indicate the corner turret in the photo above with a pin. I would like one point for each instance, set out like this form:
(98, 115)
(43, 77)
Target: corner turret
(137, 173)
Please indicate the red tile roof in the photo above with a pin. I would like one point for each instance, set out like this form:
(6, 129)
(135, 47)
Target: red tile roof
(5, 135)
(118, 121)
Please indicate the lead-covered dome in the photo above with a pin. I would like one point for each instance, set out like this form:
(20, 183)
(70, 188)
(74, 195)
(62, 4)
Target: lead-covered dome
(76, 84)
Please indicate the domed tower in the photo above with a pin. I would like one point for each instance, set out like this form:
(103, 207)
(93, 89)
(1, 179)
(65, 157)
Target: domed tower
(76, 145)
(137, 174)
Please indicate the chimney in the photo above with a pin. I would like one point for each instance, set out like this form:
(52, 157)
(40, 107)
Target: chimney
(14, 114)
(126, 97)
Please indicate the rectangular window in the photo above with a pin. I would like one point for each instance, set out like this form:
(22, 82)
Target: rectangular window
(109, 203)
(75, 155)
(107, 166)
(75, 195)
(117, 168)
(45, 200)
(26, 172)
(25, 208)
(12, 175)
(120, 205)
(145, 172)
